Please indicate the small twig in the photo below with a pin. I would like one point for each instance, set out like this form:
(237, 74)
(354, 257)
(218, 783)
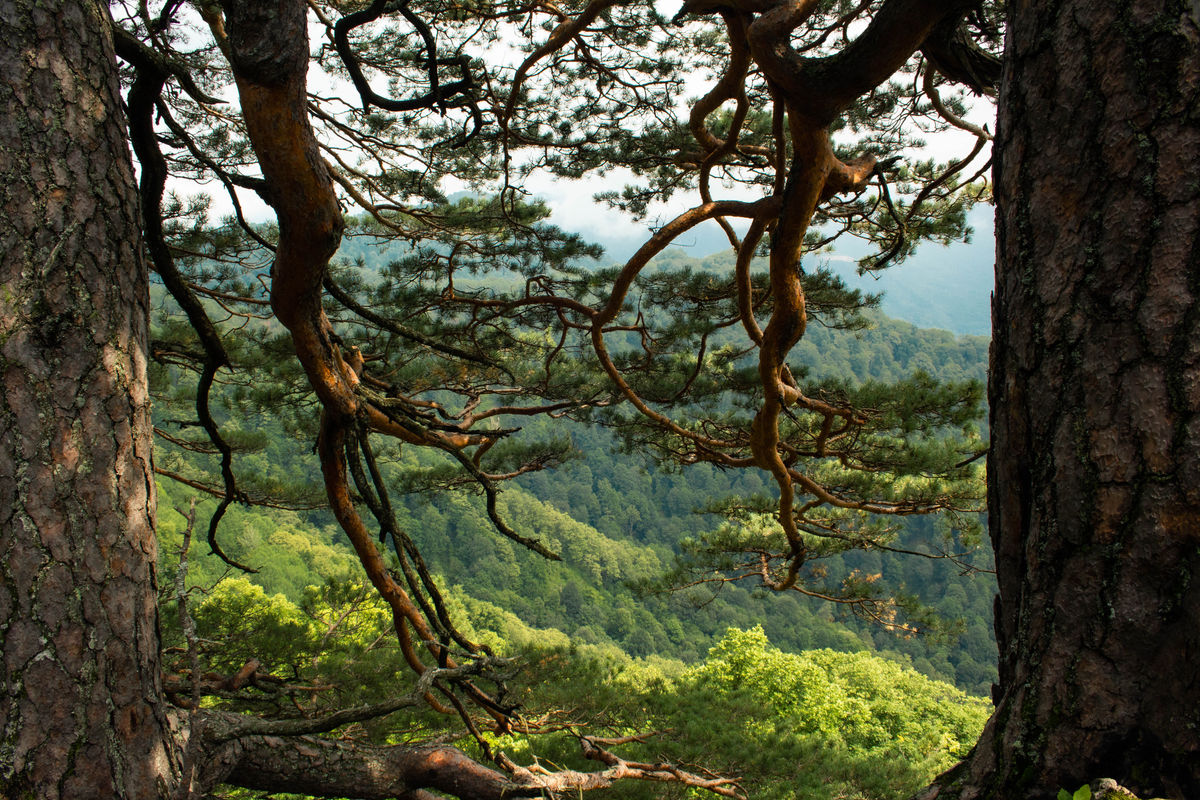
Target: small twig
(971, 458)
(241, 727)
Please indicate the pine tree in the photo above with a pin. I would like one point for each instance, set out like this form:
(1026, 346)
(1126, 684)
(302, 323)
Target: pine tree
(489, 316)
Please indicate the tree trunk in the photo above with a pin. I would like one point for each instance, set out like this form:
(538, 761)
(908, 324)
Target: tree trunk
(78, 626)
(1095, 457)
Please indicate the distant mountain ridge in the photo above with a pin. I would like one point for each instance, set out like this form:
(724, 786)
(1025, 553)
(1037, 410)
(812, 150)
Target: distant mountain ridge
(939, 287)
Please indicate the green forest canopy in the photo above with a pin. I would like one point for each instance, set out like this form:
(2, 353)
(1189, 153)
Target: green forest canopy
(441, 366)
(618, 519)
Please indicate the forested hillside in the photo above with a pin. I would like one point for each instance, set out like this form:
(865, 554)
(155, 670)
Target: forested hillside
(619, 522)
(825, 723)
(745, 683)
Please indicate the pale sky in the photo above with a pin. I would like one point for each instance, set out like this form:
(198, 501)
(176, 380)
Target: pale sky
(571, 202)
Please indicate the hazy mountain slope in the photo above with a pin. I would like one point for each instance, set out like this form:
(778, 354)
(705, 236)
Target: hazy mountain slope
(939, 287)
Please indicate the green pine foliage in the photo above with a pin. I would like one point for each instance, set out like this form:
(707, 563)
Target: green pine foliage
(463, 322)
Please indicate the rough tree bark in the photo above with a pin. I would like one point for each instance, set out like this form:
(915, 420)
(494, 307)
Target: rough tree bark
(81, 692)
(1095, 461)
